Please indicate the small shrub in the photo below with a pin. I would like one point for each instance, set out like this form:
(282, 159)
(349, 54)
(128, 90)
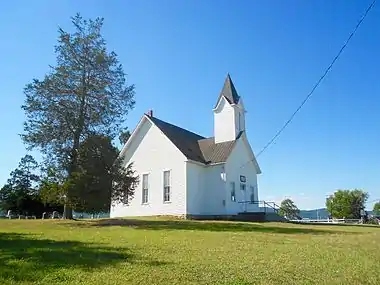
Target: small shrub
(373, 221)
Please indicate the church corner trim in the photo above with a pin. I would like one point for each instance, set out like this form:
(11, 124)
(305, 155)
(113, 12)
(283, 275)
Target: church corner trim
(133, 135)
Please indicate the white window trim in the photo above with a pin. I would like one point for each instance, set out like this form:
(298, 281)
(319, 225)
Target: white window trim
(234, 188)
(252, 190)
(239, 122)
(170, 185)
(142, 187)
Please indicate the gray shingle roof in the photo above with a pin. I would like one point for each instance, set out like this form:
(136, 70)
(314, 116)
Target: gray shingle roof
(229, 92)
(214, 153)
(194, 146)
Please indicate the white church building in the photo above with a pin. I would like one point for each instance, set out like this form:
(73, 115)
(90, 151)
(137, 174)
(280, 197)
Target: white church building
(184, 174)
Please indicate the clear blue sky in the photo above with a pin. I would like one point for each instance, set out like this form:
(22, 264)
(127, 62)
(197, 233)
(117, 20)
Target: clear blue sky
(178, 53)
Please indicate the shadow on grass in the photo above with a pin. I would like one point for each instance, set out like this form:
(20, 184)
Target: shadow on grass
(214, 226)
(23, 258)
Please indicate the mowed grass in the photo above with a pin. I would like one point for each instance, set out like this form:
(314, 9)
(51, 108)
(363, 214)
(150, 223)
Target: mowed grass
(158, 251)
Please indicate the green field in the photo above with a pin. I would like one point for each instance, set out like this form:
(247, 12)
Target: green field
(158, 251)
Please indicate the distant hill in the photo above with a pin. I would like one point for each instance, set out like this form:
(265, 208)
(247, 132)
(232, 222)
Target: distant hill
(318, 213)
(315, 214)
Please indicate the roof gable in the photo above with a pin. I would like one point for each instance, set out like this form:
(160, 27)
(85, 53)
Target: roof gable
(184, 140)
(252, 155)
(132, 136)
(193, 146)
(222, 103)
(141, 131)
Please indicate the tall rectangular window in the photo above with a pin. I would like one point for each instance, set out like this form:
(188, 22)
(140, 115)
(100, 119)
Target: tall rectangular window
(145, 188)
(239, 122)
(167, 186)
(233, 195)
(252, 194)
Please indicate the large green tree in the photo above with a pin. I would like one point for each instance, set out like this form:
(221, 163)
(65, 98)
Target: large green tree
(347, 204)
(124, 136)
(376, 209)
(289, 209)
(100, 179)
(53, 186)
(17, 193)
(101, 176)
(21, 194)
(84, 94)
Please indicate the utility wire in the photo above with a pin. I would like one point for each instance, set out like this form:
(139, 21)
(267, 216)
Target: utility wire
(319, 81)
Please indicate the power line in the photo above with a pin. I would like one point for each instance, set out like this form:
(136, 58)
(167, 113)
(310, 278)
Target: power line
(320, 79)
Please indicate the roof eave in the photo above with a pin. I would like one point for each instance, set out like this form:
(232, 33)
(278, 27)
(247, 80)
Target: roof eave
(205, 164)
(216, 163)
(133, 135)
(196, 162)
(254, 160)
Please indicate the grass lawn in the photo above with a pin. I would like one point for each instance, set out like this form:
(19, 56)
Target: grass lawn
(158, 251)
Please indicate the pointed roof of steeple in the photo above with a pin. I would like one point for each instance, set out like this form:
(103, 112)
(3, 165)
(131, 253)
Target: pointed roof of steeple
(229, 92)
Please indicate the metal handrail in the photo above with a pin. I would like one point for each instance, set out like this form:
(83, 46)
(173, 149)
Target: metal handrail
(272, 205)
(266, 204)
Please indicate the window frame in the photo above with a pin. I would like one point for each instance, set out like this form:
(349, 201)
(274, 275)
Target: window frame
(233, 191)
(145, 191)
(252, 196)
(167, 188)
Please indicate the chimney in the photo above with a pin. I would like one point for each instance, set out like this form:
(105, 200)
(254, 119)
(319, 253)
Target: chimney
(150, 113)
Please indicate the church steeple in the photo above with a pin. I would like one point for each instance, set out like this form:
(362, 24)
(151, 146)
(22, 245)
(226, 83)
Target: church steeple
(229, 113)
(229, 92)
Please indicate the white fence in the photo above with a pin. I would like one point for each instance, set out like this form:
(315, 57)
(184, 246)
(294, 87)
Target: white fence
(329, 221)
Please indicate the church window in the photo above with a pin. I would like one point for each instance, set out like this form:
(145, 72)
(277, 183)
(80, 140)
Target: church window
(145, 189)
(233, 195)
(167, 186)
(239, 121)
(252, 194)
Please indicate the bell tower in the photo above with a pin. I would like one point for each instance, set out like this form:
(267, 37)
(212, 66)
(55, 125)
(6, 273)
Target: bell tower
(229, 113)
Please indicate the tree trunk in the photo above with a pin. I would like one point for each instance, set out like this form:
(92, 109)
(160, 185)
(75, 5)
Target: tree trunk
(67, 212)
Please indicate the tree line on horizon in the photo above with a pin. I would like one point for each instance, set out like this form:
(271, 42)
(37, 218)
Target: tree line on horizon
(343, 204)
(73, 115)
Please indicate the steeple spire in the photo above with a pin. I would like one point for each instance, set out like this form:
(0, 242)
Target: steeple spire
(229, 92)
(229, 119)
